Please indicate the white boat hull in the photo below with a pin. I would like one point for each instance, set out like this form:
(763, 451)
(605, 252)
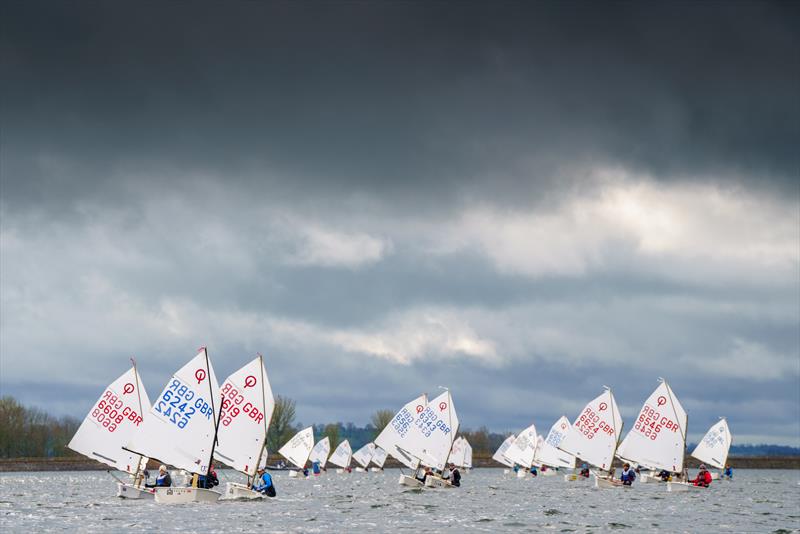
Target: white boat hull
(409, 481)
(376, 470)
(240, 491)
(715, 475)
(575, 478)
(297, 474)
(605, 483)
(126, 491)
(436, 482)
(360, 470)
(548, 473)
(521, 473)
(679, 487)
(506, 471)
(186, 495)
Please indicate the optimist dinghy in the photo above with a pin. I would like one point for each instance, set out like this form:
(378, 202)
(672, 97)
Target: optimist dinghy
(247, 407)
(713, 449)
(499, 455)
(298, 449)
(397, 432)
(181, 428)
(378, 458)
(109, 425)
(341, 457)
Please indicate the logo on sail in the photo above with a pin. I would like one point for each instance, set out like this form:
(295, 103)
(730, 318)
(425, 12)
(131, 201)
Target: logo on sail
(200, 375)
(602, 407)
(662, 400)
(442, 406)
(419, 408)
(250, 381)
(127, 388)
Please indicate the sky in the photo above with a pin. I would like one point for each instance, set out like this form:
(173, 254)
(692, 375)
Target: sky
(520, 201)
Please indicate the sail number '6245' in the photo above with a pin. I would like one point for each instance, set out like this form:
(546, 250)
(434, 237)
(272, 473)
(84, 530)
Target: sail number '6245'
(177, 407)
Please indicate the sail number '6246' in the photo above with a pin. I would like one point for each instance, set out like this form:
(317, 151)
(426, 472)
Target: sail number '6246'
(651, 422)
(177, 407)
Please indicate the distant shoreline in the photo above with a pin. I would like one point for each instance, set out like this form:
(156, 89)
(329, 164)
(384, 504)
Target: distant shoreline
(10, 465)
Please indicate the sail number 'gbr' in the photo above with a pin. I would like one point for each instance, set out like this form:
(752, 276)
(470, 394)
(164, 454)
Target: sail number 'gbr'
(177, 407)
(589, 424)
(651, 422)
(428, 422)
(110, 412)
(231, 400)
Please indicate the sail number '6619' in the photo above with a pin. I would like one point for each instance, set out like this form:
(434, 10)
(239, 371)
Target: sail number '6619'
(176, 404)
(651, 422)
(231, 402)
(110, 412)
(428, 422)
(589, 424)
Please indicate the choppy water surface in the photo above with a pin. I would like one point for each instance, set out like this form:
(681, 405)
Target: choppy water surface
(757, 501)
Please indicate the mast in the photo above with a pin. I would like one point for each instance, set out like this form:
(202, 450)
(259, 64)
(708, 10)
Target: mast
(264, 411)
(139, 397)
(213, 411)
(613, 420)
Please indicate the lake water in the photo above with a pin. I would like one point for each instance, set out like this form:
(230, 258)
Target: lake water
(488, 501)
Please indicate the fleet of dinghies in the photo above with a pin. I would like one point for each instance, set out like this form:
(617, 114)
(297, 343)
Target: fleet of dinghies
(194, 422)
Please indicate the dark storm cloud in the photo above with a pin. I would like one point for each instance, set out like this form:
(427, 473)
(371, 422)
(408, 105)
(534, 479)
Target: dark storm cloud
(389, 97)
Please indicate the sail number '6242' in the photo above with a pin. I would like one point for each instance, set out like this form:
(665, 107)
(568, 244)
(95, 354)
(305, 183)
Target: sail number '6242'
(176, 404)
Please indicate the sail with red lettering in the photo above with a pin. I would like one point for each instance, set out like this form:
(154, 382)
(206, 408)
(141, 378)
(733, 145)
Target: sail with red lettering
(364, 454)
(320, 451)
(657, 439)
(342, 455)
(399, 429)
(181, 426)
(714, 447)
(467, 454)
(297, 449)
(500, 454)
(432, 432)
(247, 406)
(595, 433)
(549, 454)
(523, 448)
(111, 422)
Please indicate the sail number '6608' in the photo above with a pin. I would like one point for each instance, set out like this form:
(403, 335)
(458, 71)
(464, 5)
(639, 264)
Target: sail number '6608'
(110, 412)
(176, 404)
(428, 422)
(651, 422)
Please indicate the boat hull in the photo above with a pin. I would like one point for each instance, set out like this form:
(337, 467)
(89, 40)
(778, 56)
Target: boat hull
(605, 483)
(234, 490)
(375, 470)
(680, 487)
(409, 481)
(548, 473)
(126, 491)
(575, 478)
(186, 495)
(297, 474)
(436, 482)
(521, 473)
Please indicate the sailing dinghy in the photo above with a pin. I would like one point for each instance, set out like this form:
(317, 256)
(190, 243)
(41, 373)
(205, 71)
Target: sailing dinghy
(319, 454)
(548, 452)
(522, 450)
(713, 449)
(181, 428)
(461, 454)
(298, 449)
(363, 456)
(108, 426)
(499, 455)
(247, 406)
(341, 457)
(595, 433)
(378, 458)
(657, 439)
(397, 431)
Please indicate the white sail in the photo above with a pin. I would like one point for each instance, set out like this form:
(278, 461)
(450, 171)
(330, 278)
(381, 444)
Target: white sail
(467, 454)
(341, 456)
(595, 433)
(320, 451)
(247, 406)
(713, 450)
(364, 454)
(523, 448)
(379, 457)
(399, 429)
(500, 454)
(657, 439)
(549, 454)
(433, 431)
(111, 422)
(297, 449)
(537, 461)
(457, 452)
(180, 428)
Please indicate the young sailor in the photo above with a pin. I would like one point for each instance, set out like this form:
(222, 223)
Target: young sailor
(455, 476)
(208, 481)
(263, 483)
(703, 477)
(628, 475)
(665, 475)
(728, 473)
(584, 471)
(163, 479)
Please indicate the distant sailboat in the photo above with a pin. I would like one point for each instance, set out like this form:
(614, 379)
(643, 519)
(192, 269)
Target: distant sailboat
(398, 429)
(378, 458)
(500, 454)
(341, 456)
(108, 426)
(247, 408)
(714, 447)
(522, 450)
(363, 456)
(319, 454)
(181, 428)
(298, 449)
(549, 454)
(595, 433)
(461, 453)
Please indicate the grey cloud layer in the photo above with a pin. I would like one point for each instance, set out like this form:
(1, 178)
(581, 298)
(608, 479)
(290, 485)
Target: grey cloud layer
(522, 203)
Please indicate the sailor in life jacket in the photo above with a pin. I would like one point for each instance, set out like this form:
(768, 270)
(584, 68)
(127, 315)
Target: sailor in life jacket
(703, 477)
(455, 475)
(628, 475)
(263, 483)
(584, 471)
(728, 471)
(163, 480)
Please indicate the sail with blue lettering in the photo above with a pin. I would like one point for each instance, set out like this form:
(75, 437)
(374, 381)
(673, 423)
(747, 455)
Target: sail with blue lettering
(399, 430)
(432, 432)
(714, 447)
(549, 454)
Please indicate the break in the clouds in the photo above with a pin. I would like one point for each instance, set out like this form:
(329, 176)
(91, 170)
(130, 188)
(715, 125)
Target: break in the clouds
(520, 202)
